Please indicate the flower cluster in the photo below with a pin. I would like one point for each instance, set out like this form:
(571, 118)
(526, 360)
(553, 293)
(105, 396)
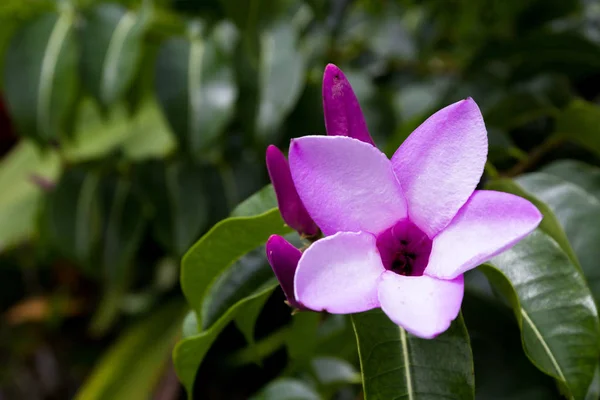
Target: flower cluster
(397, 234)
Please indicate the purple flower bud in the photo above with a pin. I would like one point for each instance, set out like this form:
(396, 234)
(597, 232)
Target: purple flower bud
(292, 210)
(284, 258)
(343, 116)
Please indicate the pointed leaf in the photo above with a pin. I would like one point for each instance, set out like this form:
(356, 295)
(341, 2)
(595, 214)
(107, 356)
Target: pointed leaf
(579, 173)
(554, 307)
(281, 77)
(140, 354)
(196, 88)
(112, 48)
(398, 365)
(40, 76)
(287, 389)
(189, 353)
(580, 122)
(226, 242)
(578, 213)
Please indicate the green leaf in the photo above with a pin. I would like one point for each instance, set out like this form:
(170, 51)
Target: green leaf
(281, 77)
(502, 370)
(132, 366)
(549, 224)
(20, 200)
(579, 173)
(72, 216)
(580, 122)
(554, 308)
(332, 371)
(111, 50)
(258, 203)
(189, 353)
(177, 192)
(578, 212)
(196, 87)
(237, 282)
(219, 248)
(302, 340)
(145, 135)
(40, 76)
(287, 389)
(396, 364)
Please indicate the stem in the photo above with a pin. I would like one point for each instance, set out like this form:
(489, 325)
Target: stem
(535, 156)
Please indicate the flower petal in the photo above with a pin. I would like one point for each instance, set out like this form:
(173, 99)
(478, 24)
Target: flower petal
(339, 274)
(489, 223)
(343, 116)
(422, 305)
(440, 164)
(345, 184)
(292, 210)
(283, 258)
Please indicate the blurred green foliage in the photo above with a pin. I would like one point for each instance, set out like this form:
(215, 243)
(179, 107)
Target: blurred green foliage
(129, 128)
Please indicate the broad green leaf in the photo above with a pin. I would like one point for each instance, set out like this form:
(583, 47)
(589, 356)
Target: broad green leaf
(177, 192)
(40, 76)
(111, 50)
(287, 389)
(123, 228)
(189, 353)
(21, 198)
(219, 248)
(302, 340)
(579, 173)
(332, 371)
(502, 370)
(258, 203)
(281, 77)
(549, 224)
(554, 308)
(73, 216)
(398, 365)
(145, 135)
(580, 122)
(578, 213)
(132, 367)
(196, 87)
(237, 282)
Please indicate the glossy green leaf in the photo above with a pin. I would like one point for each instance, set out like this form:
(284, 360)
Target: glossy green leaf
(332, 371)
(123, 227)
(196, 87)
(141, 136)
(189, 353)
(260, 202)
(580, 122)
(133, 365)
(502, 370)
(177, 192)
(237, 282)
(287, 389)
(40, 76)
(396, 364)
(21, 198)
(549, 224)
(73, 216)
(578, 212)
(579, 173)
(219, 248)
(281, 77)
(111, 50)
(554, 308)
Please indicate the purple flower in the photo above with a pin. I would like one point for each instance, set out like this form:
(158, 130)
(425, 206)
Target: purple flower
(292, 210)
(400, 233)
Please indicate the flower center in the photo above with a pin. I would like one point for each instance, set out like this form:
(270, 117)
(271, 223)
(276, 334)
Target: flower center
(404, 249)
